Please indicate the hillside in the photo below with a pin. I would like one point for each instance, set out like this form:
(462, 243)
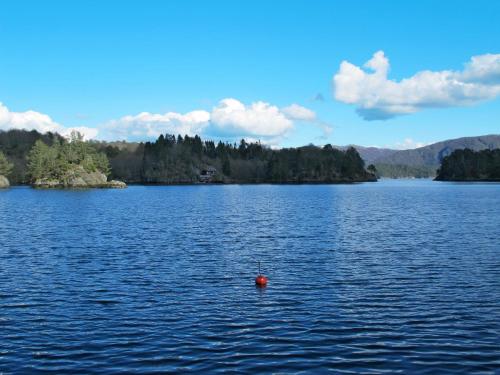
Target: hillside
(432, 155)
(370, 154)
(424, 161)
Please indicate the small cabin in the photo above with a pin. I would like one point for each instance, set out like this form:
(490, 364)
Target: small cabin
(207, 174)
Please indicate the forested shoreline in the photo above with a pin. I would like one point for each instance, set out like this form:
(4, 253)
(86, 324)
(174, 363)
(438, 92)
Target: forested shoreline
(187, 160)
(405, 171)
(468, 165)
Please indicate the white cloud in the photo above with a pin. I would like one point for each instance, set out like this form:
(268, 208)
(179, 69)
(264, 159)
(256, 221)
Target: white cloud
(229, 119)
(378, 97)
(483, 68)
(297, 112)
(150, 125)
(29, 120)
(327, 129)
(258, 119)
(88, 133)
(32, 120)
(409, 143)
(273, 142)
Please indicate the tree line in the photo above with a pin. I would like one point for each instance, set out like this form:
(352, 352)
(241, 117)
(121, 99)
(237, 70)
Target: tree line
(26, 156)
(180, 159)
(15, 146)
(468, 165)
(5, 165)
(405, 171)
(177, 159)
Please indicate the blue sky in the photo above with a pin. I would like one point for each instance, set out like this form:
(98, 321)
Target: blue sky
(93, 63)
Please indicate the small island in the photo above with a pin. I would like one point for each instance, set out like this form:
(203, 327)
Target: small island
(69, 163)
(468, 165)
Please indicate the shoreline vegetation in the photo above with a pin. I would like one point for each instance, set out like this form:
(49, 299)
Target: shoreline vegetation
(51, 161)
(469, 166)
(5, 169)
(403, 171)
(71, 163)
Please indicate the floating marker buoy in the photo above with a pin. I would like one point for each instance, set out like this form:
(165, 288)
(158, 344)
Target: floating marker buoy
(260, 280)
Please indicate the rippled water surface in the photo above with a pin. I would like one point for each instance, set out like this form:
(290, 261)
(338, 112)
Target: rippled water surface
(394, 276)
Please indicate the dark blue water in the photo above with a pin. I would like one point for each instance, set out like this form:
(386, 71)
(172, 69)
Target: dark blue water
(396, 276)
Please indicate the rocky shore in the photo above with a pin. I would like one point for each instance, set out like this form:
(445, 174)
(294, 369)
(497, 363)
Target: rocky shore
(79, 178)
(4, 182)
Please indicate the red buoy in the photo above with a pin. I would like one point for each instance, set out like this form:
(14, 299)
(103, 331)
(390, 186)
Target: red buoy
(260, 280)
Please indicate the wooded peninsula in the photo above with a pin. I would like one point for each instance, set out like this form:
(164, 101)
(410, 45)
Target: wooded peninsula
(468, 165)
(49, 160)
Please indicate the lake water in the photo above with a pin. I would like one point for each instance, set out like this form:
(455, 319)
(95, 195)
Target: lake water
(394, 276)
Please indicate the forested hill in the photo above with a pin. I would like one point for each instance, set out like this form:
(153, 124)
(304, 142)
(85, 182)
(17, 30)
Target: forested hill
(468, 165)
(424, 161)
(433, 154)
(420, 162)
(176, 160)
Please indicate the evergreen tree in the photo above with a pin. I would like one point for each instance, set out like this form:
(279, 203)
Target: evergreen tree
(467, 165)
(40, 161)
(226, 166)
(5, 165)
(179, 159)
(53, 162)
(352, 162)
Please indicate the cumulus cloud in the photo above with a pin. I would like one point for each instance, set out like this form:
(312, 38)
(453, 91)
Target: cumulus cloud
(32, 120)
(150, 125)
(229, 118)
(484, 69)
(88, 133)
(297, 112)
(378, 97)
(261, 120)
(258, 119)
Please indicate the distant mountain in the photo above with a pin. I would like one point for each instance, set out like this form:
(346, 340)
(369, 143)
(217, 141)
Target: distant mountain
(433, 154)
(370, 154)
(423, 161)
